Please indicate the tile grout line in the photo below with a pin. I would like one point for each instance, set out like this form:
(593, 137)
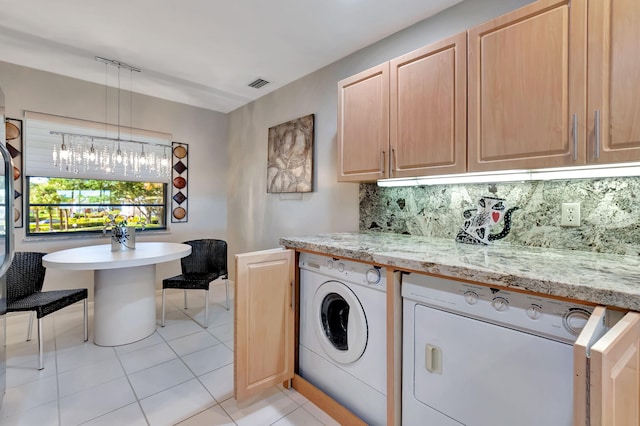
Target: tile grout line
(218, 403)
(135, 395)
(197, 377)
(103, 414)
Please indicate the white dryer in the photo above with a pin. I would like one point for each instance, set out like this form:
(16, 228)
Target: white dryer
(343, 333)
(477, 356)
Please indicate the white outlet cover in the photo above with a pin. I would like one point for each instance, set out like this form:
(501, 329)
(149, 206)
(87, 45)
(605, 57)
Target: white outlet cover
(570, 214)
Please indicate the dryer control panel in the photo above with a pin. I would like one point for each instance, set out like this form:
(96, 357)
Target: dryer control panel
(552, 318)
(345, 270)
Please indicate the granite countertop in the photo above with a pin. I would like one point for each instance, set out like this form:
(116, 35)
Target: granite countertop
(607, 279)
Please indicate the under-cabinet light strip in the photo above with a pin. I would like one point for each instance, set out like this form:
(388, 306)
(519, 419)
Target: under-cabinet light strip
(585, 172)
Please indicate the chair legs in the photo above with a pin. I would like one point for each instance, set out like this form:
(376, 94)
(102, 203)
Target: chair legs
(40, 346)
(163, 302)
(86, 321)
(206, 304)
(226, 286)
(32, 314)
(206, 309)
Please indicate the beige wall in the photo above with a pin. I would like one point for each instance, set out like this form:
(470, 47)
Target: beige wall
(258, 219)
(205, 132)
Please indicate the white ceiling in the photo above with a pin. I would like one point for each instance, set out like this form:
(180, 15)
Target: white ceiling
(199, 52)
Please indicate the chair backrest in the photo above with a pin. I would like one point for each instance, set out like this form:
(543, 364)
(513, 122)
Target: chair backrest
(25, 276)
(207, 256)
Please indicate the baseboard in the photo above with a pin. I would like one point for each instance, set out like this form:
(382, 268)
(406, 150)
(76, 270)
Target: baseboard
(325, 402)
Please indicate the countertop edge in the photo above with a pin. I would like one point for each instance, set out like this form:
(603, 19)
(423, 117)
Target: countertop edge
(369, 250)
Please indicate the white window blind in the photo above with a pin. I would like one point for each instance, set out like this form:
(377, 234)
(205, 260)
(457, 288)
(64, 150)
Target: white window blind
(39, 146)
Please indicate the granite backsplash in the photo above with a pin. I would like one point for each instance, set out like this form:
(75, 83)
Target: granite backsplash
(610, 212)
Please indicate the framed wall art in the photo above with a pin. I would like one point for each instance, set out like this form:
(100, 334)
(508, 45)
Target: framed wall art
(180, 183)
(13, 129)
(290, 156)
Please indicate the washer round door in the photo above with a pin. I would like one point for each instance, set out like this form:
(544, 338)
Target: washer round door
(340, 322)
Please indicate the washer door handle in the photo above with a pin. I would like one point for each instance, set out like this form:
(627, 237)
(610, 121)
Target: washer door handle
(433, 359)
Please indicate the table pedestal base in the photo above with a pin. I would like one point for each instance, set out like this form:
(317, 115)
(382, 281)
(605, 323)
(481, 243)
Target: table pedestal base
(125, 305)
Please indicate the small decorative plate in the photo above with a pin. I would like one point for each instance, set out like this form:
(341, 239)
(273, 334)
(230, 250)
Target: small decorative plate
(180, 151)
(179, 182)
(12, 131)
(179, 213)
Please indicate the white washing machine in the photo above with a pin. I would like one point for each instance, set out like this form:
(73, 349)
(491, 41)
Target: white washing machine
(343, 333)
(479, 356)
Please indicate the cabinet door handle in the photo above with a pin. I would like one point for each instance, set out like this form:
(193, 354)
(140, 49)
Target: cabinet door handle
(575, 137)
(597, 134)
(382, 156)
(293, 294)
(433, 359)
(393, 160)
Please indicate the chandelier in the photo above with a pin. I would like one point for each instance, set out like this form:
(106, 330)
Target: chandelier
(81, 153)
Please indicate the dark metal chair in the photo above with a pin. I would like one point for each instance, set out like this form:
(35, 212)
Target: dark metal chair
(25, 279)
(207, 262)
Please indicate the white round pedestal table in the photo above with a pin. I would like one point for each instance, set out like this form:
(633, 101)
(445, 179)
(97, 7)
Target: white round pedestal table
(124, 309)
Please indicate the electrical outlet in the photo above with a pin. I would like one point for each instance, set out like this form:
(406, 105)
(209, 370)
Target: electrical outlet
(570, 214)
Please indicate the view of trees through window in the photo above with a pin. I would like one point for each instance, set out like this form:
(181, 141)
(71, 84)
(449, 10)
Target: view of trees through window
(61, 205)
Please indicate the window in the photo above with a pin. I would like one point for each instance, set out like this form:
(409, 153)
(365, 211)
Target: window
(71, 205)
(101, 174)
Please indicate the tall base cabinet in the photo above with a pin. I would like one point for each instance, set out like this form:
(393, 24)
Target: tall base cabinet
(266, 322)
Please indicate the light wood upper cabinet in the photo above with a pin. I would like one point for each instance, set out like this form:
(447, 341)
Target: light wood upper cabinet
(613, 81)
(428, 122)
(264, 321)
(406, 117)
(526, 94)
(554, 83)
(363, 125)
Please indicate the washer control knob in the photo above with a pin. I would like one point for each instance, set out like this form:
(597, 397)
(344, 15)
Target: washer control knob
(575, 320)
(373, 276)
(341, 267)
(500, 304)
(471, 297)
(534, 311)
(330, 264)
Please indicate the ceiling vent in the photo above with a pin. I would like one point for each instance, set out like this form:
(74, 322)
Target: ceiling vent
(258, 83)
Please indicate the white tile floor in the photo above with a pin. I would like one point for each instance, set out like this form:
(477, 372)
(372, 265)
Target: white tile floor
(181, 374)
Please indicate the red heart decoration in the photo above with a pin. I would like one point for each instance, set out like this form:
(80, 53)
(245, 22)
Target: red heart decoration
(495, 216)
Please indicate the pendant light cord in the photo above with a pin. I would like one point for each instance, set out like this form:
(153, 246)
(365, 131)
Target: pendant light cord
(118, 106)
(130, 104)
(106, 96)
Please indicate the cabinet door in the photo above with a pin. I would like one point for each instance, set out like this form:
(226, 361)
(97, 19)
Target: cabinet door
(363, 125)
(593, 330)
(527, 77)
(428, 110)
(614, 84)
(615, 375)
(264, 321)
